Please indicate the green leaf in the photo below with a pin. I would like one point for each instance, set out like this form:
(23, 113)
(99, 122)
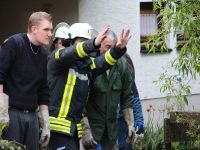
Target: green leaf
(185, 99)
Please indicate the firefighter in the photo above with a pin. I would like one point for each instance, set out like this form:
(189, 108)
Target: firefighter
(60, 37)
(70, 73)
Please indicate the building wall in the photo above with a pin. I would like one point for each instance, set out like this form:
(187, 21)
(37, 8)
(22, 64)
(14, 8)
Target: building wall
(126, 13)
(159, 106)
(14, 14)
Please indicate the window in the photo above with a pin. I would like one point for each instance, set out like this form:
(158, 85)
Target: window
(148, 24)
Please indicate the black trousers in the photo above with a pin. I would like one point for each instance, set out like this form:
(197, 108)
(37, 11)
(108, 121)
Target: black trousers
(23, 128)
(60, 141)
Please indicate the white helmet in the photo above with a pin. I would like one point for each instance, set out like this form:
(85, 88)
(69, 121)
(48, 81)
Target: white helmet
(83, 30)
(61, 31)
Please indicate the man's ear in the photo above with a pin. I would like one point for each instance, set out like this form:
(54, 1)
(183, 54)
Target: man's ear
(33, 28)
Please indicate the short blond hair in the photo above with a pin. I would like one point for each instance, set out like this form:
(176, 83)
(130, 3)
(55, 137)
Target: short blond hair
(36, 18)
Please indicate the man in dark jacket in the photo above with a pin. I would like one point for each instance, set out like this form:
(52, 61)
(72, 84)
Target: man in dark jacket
(23, 77)
(70, 73)
(109, 89)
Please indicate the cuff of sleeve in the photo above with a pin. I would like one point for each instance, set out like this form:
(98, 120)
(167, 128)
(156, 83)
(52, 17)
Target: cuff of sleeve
(117, 52)
(90, 47)
(96, 46)
(43, 101)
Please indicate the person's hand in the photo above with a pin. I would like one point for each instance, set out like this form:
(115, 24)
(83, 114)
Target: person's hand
(4, 116)
(124, 38)
(88, 140)
(139, 126)
(131, 131)
(101, 36)
(131, 135)
(45, 125)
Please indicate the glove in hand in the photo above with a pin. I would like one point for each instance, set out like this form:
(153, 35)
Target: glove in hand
(139, 126)
(45, 125)
(4, 116)
(88, 140)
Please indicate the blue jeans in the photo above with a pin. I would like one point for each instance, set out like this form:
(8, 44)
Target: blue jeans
(99, 147)
(122, 133)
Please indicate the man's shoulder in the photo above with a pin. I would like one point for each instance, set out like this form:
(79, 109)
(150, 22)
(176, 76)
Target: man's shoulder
(122, 62)
(16, 39)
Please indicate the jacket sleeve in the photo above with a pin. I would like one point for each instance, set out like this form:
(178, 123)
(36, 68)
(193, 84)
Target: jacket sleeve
(126, 98)
(7, 57)
(66, 56)
(105, 61)
(137, 110)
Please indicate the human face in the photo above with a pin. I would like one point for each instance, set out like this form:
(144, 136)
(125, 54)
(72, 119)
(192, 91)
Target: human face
(107, 43)
(42, 33)
(58, 44)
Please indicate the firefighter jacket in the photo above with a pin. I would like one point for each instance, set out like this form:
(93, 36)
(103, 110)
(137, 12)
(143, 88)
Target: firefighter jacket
(107, 92)
(70, 73)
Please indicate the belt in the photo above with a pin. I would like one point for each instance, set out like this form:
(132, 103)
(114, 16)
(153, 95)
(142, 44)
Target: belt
(22, 110)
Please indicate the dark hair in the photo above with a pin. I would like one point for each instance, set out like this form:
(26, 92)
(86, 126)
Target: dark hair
(65, 43)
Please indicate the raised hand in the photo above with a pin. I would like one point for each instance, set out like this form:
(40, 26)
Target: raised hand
(101, 36)
(124, 38)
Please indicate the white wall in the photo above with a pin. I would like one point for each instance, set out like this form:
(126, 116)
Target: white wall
(159, 105)
(126, 13)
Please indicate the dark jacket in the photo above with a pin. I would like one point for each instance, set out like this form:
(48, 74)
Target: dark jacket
(105, 95)
(23, 73)
(70, 73)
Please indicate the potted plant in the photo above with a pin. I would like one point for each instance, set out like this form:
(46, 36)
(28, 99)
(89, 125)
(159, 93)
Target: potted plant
(9, 145)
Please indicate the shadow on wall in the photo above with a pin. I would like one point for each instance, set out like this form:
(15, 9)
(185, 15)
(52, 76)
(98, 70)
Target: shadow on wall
(15, 20)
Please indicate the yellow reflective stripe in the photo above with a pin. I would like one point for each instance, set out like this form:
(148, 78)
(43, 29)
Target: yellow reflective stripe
(109, 59)
(79, 134)
(79, 128)
(61, 113)
(60, 128)
(57, 54)
(60, 121)
(79, 125)
(93, 65)
(80, 131)
(67, 96)
(70, 95)
(80, 50)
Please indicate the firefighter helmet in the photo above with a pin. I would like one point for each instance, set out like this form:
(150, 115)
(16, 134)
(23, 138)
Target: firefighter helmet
(61, 31)
(83, 30)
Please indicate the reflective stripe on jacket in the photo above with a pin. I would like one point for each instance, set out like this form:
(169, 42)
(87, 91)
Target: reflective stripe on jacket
(70, 72)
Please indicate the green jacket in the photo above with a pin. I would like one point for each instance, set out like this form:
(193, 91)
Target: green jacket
(105, 95)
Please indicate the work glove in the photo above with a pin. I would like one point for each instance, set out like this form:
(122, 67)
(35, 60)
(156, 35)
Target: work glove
(43, 115)
(139, 126)
(4, 116)
(87, 138)
(128, 116)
